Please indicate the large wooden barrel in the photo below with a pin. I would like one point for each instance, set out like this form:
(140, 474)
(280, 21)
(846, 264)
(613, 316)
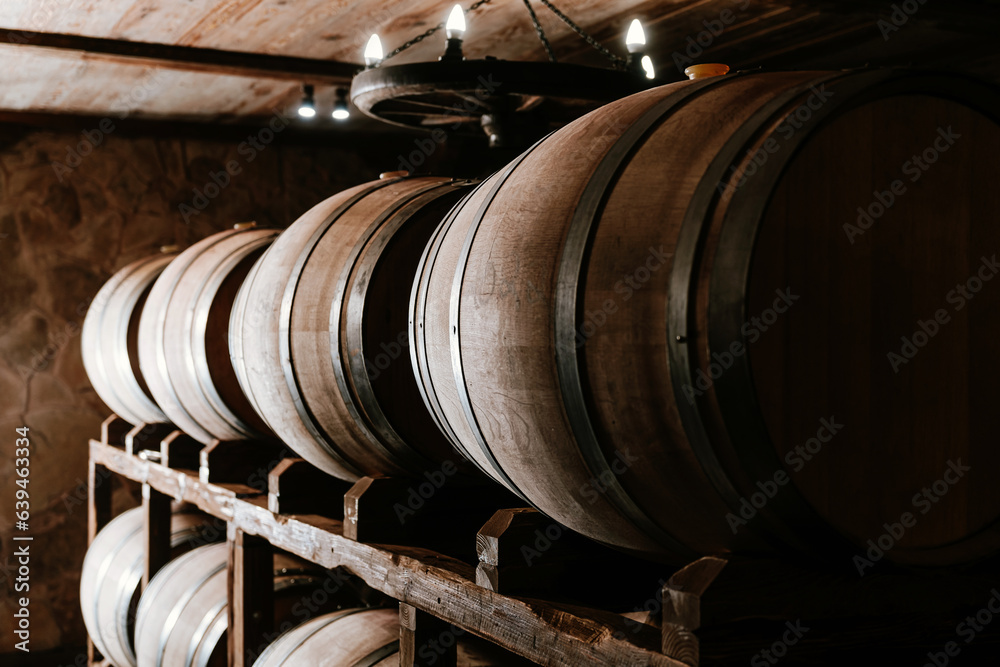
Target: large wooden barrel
(347, 638)
(112, 572)
(182, 616)
(184, 333)
(110, 337)
(749, 312)
(319, 336)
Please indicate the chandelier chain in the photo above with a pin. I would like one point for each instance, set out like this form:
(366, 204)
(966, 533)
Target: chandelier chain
(620, 62)
(540, 32)
(421, 37)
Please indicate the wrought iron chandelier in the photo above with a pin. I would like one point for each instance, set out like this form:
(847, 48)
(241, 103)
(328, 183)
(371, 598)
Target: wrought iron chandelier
(513, 102)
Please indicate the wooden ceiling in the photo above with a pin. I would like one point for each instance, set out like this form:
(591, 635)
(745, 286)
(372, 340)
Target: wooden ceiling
(48, 69)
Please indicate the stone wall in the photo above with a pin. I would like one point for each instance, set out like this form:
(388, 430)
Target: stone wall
(63, 232)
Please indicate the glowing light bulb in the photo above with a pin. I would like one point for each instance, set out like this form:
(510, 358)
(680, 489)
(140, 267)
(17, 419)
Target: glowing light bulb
(307, 107)
(340, 110)
(647, 65)
(373, 51)
(455, 27)
(636, 38)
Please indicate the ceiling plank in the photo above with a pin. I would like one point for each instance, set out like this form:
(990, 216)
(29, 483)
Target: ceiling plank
(189, 58)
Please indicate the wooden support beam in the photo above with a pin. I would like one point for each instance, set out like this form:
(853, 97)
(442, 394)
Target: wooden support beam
(189, 58)
(113, 431)
(179, 451)
(147, 436)
(250, 586)
(682, 608)
(98, 499)
(156, 531)
(298, 487)
(426, 640)
(246, 462)
(418, 577)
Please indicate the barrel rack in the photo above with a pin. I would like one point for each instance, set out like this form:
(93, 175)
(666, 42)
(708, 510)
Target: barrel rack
(301, 510)
(508, 579)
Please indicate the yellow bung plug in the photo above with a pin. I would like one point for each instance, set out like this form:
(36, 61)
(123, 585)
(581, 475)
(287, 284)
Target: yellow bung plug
(706, 70)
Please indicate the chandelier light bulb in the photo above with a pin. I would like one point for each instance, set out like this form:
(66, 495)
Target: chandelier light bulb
(636, 38)
(455, 27)
(647, 65)
(373, 51)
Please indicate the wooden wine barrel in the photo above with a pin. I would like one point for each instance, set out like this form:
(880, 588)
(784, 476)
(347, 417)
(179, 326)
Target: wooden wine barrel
(728, 315)
(109, 341)
(319, 336)
(182, 616)
(347, 638)
(112, 572)
(184, 333)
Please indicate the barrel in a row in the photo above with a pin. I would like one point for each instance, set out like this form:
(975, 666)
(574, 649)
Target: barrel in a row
(112, 573)
(319, 335)
(748, 312)
(109, 340)
(183, 337)
(182, 618)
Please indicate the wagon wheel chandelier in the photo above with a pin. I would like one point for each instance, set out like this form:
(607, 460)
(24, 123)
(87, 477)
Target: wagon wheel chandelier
(513, 102)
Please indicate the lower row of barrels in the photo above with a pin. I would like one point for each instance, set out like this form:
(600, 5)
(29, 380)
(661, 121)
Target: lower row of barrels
(181, 618)
(581, 326)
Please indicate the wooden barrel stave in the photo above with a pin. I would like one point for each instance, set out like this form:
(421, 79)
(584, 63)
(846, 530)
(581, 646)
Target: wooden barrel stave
(112, 571)
(590, 206)
(333, 271)
(347, 638)
(183, 339)
(108, 341)
(182, 617)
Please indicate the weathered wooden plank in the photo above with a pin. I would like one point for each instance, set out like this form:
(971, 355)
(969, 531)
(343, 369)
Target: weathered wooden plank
(298, 487)
(98, 498)
(113, 431)
(682, 608)
(156, 531)
(189, 58)
(146, 436)
(435, 584)
(251, 594)
(180, 451)
(425, 640)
